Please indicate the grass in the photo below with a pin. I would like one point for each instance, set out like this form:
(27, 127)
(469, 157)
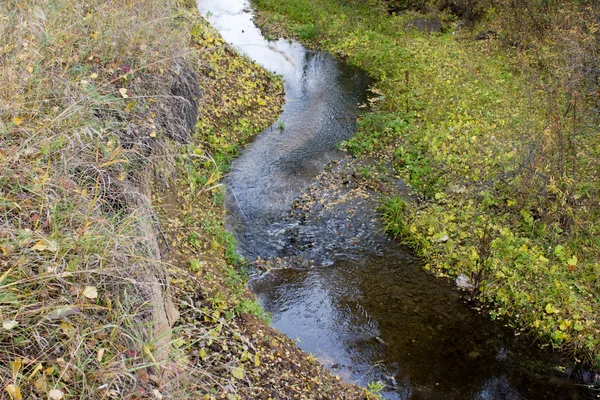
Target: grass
(485, 135)
(117, 276)
(84, 90)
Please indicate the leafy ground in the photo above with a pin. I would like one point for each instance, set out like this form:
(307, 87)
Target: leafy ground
(117, 278)
(499, 141)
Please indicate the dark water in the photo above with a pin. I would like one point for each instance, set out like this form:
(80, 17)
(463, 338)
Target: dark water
(365, 308)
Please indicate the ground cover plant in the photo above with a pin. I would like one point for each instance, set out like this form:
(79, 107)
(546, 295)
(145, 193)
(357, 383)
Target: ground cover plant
(493, 123)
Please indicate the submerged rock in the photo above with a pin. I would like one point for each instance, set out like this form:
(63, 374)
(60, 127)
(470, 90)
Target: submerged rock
(464, 282)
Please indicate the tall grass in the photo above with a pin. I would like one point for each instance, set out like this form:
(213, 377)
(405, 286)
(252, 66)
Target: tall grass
(84, 92)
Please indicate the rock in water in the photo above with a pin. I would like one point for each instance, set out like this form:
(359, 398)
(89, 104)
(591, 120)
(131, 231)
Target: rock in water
(463, 282)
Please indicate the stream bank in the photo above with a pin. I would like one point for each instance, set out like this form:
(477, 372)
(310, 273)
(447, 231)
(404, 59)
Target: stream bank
(117, 278)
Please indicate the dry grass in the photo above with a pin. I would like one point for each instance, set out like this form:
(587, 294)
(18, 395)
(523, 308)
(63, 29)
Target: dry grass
(87, 95)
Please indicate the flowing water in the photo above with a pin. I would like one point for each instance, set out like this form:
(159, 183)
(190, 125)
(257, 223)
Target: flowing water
(351, 296)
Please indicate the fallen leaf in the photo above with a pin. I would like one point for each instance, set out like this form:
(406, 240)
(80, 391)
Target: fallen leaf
(37, 369)
(14, 392)
(62, 312)
(237, 372)
(55, 394)
(17, 121)
(39, 246)
(43, 244)
(16, 365)
(90, 292)
(8, 325)
(550, 309)
(100, 354)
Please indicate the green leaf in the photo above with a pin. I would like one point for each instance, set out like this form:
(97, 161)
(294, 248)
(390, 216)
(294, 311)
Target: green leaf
(550, 309)
(237, 372)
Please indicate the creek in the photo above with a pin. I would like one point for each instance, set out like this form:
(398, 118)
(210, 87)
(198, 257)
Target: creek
(355, 299)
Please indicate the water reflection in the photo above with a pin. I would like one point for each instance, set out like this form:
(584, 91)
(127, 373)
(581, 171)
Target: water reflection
(322, 99)
(381, 318)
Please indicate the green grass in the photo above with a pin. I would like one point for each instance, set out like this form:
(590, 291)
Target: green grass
(470, 126)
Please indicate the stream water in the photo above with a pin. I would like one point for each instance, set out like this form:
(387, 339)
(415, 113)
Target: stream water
(351, 296)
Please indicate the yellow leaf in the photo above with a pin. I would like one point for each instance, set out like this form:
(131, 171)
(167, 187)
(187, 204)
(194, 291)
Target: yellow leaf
(90, 292)
(129, 107)
(550, 309)
(14, 392)
(17, 121)
(123, 92)
(16, 365)
(257, 359)
(152, 134)
(48, 245)
(83, 192)
(237, 372)
(146, 350)
(39, 246)
(93, 76)
(37, 369)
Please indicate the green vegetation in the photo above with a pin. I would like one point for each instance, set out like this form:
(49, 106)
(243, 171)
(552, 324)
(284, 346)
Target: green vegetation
(373, 390)
(498, 140)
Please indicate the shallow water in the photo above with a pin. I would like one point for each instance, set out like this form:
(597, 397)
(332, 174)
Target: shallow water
(366, 309)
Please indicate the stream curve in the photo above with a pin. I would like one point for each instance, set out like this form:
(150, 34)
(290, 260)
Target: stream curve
(357, 300)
